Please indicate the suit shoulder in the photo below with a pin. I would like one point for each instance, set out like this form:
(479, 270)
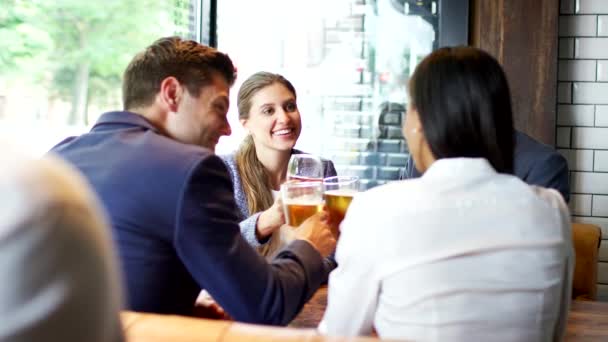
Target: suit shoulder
(557, 158)
(170, 157)
(179, 148)
(530, 148)
(230, 162)
(170, 152)
(547, 161)
(532, 157)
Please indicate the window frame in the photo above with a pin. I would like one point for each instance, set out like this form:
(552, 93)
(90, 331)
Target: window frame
(207, 22)
(454, 28)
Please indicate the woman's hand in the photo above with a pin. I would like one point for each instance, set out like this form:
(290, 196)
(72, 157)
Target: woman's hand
(270, 220)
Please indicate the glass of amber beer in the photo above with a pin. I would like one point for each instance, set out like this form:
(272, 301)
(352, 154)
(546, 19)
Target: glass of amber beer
(301, 200)
(338, 193)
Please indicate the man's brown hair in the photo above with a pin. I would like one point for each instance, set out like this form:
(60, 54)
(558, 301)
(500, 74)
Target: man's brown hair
(191, 63)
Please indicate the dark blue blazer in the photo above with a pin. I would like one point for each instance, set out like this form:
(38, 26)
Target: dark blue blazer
(175, 223)
(534, 162)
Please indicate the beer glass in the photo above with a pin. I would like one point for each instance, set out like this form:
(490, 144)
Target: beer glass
(301, 200)
(338, 193)
(304, 168)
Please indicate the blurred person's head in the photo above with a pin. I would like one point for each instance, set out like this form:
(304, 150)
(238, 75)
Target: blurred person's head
(269, 112)
(182, 87)
(459, 106)
(59, 274)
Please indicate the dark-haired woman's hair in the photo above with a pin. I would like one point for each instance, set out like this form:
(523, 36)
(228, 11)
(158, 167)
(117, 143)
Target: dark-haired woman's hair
(464, 104)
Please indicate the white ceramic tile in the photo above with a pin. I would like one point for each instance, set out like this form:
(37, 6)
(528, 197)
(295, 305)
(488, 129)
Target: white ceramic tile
(602, 25)
(566, 6)
(602, 272)
(577, 25)
(603, 255)
(589, 183)
(575, 115)
(580, 205)
(577, 70)
(600, 162)
(578, 160)
(590, 137)
(602, 293)
(566, 48)
(602, 70)
(595, 138)
(601, 116)
(564, 92)
(591, 48)
(563, 137)
(590, 93)
(600, 206)
(591, 6)
(601, 222)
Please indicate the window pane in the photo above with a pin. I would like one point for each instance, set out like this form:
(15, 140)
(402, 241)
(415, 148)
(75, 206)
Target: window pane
(61, 62)
(349, 60)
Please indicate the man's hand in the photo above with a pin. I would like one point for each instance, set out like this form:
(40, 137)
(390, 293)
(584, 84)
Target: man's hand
(270, 220)
(317, 231)
(206, 307)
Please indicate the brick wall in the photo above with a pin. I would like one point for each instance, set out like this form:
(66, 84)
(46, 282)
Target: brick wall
(369, 144)
(366, 138)
(582, 114)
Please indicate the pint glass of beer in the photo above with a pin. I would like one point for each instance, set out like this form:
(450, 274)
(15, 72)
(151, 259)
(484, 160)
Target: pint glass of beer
(338, 193)
(301, 200)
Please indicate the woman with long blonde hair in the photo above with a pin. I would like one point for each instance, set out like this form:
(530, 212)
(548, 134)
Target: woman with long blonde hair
(268, 110)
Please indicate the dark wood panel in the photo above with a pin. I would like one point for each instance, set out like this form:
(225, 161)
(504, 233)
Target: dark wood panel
(522, 35)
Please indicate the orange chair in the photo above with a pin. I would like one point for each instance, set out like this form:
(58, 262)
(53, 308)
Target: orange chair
(586, 239)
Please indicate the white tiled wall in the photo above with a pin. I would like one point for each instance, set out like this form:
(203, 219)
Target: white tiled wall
(589, 6)
(576, 115)
(601, 116)
(582, 114)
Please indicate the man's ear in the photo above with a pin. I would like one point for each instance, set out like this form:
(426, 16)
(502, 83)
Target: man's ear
(171, 92)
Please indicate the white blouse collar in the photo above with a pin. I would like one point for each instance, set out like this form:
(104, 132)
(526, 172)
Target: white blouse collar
(457, 167)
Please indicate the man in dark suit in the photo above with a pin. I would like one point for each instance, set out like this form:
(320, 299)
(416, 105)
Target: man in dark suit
(535, 163)
(170, 199)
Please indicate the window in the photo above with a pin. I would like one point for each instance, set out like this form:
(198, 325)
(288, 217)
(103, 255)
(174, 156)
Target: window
(349, 60)
(61, 62)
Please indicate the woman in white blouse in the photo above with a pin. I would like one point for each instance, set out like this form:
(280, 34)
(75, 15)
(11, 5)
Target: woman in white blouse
(467, 252)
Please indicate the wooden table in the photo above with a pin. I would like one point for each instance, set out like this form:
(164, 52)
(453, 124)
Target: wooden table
(587, 321)
(312, 313)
